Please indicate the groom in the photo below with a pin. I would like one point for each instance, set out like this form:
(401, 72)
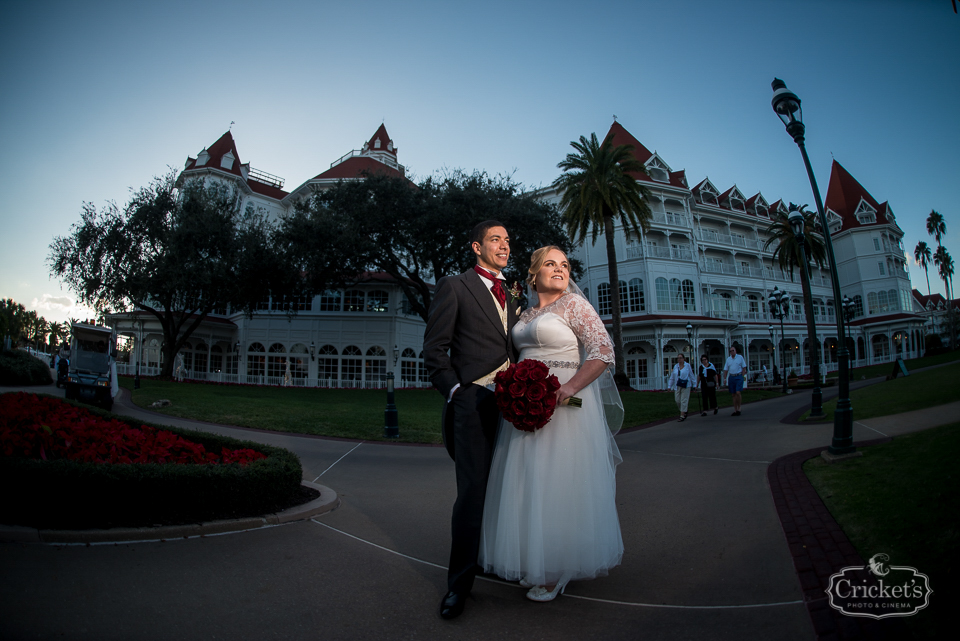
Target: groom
(467, 341)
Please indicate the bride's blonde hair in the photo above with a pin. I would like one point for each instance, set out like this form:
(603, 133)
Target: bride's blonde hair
(537, 258)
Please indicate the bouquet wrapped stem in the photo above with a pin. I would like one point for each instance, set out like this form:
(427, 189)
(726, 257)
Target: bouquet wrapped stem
(572, 401)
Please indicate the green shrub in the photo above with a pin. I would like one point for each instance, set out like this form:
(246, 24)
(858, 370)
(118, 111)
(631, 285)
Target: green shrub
(20, 368)
(73, 495)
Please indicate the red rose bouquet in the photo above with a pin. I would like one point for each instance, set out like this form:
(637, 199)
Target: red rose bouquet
(526, 394)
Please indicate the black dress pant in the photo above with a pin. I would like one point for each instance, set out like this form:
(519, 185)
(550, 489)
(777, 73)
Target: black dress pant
(474, 429)
(709, 397)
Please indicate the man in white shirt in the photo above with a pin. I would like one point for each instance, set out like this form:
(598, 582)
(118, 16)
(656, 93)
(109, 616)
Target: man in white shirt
(735, 370)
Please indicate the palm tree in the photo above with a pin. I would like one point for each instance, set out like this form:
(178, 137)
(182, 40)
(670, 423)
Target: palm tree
(944, 263)
(923, 256)
(597, 190)
(56, 334)
(936, 226)
(40, 332)
(787, 254)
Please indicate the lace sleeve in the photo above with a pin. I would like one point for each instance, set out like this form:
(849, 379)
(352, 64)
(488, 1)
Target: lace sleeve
(588, 327)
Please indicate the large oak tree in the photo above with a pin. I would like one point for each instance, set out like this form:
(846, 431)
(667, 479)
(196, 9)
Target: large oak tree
(178, 251)
(416, 233)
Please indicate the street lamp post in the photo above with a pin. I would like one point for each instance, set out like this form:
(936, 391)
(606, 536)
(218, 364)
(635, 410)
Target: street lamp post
(849, 310)
(779, 304)
(689, 329)
(136, 378)
(797, 224)
(786, 105)
(773, 341)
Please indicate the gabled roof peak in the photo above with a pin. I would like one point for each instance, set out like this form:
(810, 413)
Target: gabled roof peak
(380, 141)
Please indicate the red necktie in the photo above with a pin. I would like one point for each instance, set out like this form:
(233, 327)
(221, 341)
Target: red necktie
(497, 289)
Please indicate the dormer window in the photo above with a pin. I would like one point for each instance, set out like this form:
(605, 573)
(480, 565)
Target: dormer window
(657, 169)
(865, 214)
(762, 212)
(736, 204)
(834, 221)
(203, 157)
(226, 161)
(708, 194)
(390, 145)
(376, 144)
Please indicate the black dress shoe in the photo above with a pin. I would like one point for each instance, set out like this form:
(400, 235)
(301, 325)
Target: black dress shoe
(452, 605)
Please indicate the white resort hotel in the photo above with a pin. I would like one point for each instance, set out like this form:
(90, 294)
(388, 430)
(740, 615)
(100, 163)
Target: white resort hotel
(702, 264)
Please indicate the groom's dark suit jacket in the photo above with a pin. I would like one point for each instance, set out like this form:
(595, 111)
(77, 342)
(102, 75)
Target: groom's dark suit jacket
(465, 341)
(464, 320)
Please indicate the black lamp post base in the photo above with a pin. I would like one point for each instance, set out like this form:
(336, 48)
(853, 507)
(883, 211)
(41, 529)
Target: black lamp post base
(830, 457)
(816, 403)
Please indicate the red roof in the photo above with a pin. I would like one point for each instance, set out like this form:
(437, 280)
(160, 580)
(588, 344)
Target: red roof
(266, 190)
(879, 320)
(216, 152)
(621, 136)
(384, 138)
(936, 299)
(844, 195)
(356, 167)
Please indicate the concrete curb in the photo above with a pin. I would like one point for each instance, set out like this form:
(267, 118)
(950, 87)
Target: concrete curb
(326, 502)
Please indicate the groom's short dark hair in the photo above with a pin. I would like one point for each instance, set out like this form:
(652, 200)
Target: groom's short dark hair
(480, 231)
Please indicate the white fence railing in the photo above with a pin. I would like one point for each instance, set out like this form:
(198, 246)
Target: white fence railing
(129, 369)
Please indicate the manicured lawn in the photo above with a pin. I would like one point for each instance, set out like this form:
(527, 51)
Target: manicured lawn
(900, 498)
(328, 412)
(641, 408)
(903, 394)
(352, 413)
(872, 371)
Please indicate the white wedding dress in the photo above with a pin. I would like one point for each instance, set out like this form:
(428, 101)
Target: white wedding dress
(550, 512)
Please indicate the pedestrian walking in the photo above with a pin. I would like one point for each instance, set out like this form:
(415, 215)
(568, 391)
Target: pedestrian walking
(735, 370)
(707, 378)
(681, 381)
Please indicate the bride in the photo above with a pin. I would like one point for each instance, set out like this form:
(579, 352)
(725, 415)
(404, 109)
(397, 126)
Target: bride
(550, 514)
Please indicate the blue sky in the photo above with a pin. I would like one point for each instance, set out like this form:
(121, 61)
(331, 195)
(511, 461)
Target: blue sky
(99, 97)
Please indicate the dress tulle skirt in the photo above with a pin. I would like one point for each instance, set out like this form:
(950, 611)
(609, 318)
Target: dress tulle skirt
(550, 511)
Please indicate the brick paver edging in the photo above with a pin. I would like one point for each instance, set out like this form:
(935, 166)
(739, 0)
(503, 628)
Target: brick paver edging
(819, 549)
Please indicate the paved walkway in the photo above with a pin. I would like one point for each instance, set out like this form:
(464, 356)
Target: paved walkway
(707, 555)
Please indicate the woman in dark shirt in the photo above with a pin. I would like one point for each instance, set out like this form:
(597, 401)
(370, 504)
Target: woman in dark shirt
(707, 381)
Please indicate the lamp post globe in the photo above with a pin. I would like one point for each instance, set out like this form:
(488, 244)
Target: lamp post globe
(786, 105)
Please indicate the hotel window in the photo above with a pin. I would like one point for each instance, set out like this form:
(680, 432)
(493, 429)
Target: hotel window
(256, 361)
(857, 306)
(276, 364)
(635, 296)
(880, 267)
(408, 366)
(352, 367)
(378, 301)
(330, 301)
(353, 301)
(375, 367)
(876, 243)
(603, 299)
(327, 363)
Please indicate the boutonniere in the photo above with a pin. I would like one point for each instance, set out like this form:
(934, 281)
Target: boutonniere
(515, 292)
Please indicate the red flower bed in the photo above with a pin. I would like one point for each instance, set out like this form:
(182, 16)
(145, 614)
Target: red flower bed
(48, 428)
